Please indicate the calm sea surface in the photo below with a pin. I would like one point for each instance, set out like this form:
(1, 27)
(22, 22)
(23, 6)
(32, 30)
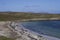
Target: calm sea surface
(51, 28)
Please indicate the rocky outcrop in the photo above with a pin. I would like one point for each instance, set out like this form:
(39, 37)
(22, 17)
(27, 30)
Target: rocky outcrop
(13, 30)
(5, 30)
(25, 34)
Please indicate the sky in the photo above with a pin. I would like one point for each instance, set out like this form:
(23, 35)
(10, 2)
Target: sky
(50, 6)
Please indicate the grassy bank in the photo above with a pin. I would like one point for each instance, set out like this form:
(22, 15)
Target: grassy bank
(5, 38)
(8, 16)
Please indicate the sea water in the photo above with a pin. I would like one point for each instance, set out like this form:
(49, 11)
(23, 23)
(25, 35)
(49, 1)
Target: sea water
(50, 28)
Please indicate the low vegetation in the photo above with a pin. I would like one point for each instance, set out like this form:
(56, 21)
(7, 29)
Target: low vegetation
(5, 38)
(4, 16)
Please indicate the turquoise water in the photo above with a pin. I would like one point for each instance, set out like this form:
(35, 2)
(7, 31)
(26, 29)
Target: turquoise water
(51, 28)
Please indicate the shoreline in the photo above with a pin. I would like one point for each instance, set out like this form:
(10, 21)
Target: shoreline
(41, 19)
(45, 36)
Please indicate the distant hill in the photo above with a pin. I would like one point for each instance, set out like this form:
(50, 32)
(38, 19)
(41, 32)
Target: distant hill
(25, 15)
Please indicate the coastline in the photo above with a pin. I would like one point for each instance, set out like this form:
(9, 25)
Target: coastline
(41, 19)
(34, 33)
(48, 37)
(45, 36)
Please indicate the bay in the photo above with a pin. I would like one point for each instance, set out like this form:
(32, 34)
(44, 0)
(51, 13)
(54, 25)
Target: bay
(50, 28)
